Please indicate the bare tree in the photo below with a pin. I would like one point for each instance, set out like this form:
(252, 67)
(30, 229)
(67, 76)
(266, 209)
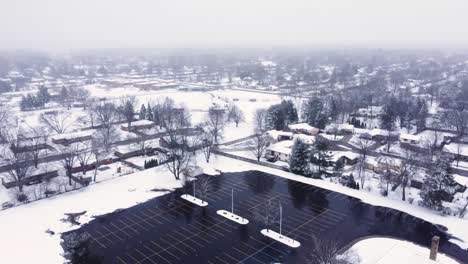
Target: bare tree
(326, 251)
(127, 108)
(60, 122)
(431, 144)
(16, 160)
(84, 154)
(6, 120)
(260, 145)
(459, 150)
(404, 172)
(143, 144)
(90, 109)
(364, 148)
(170, 116)
(179, 157)
(260, 120)
(216, 122)
(206, 143)
(458, 118)
(269, 214)
(38, 142)
(463, 210)
(203, 186)
(69, 155)
(106, 115)
(388, 170)
(235, 114)
(99, 151)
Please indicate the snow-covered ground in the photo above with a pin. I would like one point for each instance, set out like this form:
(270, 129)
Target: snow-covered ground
(19, 232)
(24, 227)
(389, 251)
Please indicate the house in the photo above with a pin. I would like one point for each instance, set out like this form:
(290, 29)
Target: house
(409, 139)
(279, 151)
(304, 128)
(457, 151)
(277, 135)
(345, 157)
(345, 129)
(70, 138)
(374, 134)
(138, 125)
(463, 139)
(309, 140)
(126, 153)
(373, 111)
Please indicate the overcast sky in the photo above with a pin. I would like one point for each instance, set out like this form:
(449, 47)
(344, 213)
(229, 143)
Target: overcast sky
(70, 24)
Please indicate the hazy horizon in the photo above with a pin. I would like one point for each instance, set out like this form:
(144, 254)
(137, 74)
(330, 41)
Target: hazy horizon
(86, 24)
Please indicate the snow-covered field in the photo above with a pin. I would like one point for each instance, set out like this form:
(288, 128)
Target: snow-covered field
(198, 103)
(389, 251)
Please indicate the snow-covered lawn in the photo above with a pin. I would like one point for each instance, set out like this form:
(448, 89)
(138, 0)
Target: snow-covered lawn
(24, 227)
(390, 251)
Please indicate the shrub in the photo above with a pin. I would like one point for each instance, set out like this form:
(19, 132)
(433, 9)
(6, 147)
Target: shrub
(151, 163)
(384, 192)
(22, 197)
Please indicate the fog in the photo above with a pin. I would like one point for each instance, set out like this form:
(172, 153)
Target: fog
(72, 24)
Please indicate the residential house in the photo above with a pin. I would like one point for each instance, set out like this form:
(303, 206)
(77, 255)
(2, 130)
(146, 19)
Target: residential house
(304, 128)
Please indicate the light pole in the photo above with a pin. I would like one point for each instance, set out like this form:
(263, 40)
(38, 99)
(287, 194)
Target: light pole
(232, 201)
(281, 215)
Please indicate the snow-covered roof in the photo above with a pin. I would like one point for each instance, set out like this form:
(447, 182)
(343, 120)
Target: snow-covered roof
(345, 127)
(378, 132)
(336, 155)
(283, 147)
(276, 133)
(305, 138)
(404, 136)
(78, 134)
(456, 148)
(303, 126)
(142, 122)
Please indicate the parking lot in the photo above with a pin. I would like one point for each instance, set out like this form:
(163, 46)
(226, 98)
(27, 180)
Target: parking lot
(169, 229)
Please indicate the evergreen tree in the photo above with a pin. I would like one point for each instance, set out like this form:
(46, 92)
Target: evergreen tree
(388, 116)
(142, 112)
(300, 157)
(320, 153)
(290, 112)
(43, 95)
(149, 113)
(333, 110)
(421, 111)
(436, 184)
(279, 116)
(64, 93)
(24, 104)
(275, 118)
(314, 113)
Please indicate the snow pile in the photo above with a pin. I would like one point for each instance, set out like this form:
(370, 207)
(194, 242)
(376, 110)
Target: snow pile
(390, 251)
